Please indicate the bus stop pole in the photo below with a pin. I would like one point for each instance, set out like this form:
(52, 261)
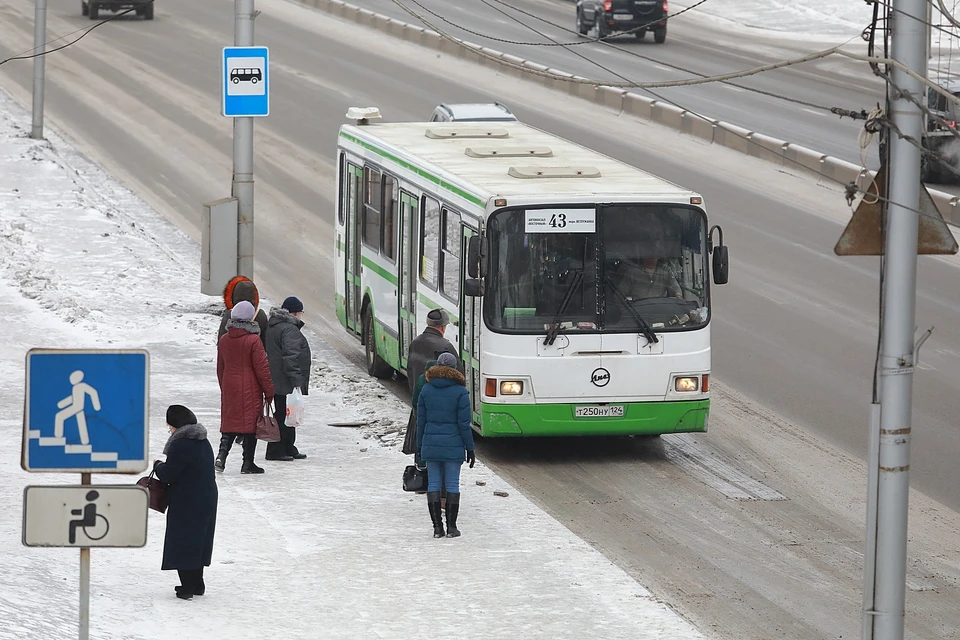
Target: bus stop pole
(85, 581)
(242, 186)
(39, 62)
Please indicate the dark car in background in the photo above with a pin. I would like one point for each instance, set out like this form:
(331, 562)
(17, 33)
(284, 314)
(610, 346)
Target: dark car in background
(93, 8)
(607, 17)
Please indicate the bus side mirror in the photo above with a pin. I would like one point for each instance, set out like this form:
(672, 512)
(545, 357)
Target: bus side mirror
(721, 265)
(476, 258)
(472, 288)
(721, 259)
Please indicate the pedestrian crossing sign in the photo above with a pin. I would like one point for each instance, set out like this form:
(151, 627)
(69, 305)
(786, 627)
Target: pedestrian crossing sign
(86, 411)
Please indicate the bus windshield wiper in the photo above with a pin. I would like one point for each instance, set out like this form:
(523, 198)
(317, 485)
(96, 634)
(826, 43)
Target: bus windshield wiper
(554, 329)
(644, 327)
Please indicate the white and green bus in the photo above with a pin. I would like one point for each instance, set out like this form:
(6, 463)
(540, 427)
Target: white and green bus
(578, 287)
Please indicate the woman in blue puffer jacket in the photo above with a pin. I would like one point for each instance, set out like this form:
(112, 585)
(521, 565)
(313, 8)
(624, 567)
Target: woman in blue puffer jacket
(444, 438)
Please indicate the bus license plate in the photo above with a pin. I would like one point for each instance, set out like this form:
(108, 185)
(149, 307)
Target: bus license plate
(615, 411)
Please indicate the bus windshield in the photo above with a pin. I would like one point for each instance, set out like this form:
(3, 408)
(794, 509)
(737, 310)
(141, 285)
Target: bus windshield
(612, 268)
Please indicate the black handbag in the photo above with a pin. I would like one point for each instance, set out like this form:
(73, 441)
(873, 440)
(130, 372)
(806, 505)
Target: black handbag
(159, 498)
(414, 478)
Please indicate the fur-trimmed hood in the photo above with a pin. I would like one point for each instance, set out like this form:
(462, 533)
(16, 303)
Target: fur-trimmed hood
(238, 289)
(279, 314)
(246, 325)
(188, 431)
(437, 372)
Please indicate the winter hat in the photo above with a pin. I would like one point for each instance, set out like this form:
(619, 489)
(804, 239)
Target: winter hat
(179, 416)
(243, 311)
(438, 318)
(447, 359)
(292, 304)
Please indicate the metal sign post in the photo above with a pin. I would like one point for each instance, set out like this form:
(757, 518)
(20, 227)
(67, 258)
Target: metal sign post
(84, 580)
(246, 95)
(39, 62)
(86, 411)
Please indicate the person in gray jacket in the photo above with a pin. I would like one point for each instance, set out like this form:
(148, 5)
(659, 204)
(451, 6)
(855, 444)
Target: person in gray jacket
(289, 355)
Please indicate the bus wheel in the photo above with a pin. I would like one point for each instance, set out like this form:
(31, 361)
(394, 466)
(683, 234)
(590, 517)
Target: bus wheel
(376, 366)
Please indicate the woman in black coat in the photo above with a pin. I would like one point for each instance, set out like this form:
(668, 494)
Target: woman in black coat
(192, 512)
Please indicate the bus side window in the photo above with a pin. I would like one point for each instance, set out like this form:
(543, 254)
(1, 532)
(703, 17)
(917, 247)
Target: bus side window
(430, 241)
(450, 255)
(390, 197)
(371, 208)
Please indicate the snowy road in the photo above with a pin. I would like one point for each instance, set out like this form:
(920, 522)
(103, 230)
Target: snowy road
(142, 98)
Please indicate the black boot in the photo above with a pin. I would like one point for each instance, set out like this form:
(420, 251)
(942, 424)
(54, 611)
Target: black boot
(226, 441)
(192, 580)
(249, 451)
(453, 509)
(198, 586)
(433, 503)
(185, 590)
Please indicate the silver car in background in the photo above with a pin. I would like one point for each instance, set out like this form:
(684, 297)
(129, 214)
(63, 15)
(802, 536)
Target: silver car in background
(472, 112)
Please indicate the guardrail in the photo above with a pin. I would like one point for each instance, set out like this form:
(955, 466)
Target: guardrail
(717, 132)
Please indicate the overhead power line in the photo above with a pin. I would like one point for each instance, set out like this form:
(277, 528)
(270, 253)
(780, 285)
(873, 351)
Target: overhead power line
(31, 53)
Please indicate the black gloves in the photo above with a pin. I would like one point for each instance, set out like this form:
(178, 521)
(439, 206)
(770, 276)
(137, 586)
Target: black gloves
(471, 458)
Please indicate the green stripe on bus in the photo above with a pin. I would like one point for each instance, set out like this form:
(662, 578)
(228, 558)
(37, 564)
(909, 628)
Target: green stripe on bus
(443, 184)
(373, 266)
(640, 418)
(433, 305)
(395, 281)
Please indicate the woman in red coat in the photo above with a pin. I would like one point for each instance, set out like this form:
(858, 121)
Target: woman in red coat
(245, 385)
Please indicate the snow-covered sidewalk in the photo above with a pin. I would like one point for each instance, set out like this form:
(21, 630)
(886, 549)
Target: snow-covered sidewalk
(327, 547)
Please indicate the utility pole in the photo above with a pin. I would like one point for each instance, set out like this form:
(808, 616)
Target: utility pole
(910, 38)
(39, 61)
(242, 185)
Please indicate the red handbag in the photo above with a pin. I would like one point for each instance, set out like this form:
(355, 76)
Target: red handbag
(159, 498)
(268, 429)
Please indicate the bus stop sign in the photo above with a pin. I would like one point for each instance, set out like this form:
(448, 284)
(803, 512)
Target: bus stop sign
(245, 82)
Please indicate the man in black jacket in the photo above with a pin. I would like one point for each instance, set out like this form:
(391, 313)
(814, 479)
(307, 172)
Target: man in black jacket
(289, 355)
(428, 346)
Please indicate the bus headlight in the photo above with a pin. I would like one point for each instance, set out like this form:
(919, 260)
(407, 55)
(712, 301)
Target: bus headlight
(511, 388)
(687, 383)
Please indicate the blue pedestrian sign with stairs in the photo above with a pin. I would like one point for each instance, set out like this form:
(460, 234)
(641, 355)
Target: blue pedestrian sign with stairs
(245, 82)
(86, 411)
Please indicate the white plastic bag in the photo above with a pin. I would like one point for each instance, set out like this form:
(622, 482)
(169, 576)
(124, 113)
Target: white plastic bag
(295, 408)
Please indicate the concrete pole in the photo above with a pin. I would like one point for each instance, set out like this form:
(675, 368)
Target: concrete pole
(909, 47)
(39, 63)
(242, 187)
(84, 581)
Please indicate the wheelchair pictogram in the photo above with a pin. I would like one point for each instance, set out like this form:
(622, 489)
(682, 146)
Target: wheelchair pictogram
(95, 525)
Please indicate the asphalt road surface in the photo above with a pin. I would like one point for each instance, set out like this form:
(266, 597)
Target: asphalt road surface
(753, 530)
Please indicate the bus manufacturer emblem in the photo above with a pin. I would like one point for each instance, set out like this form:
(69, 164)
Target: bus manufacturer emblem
(600, 377)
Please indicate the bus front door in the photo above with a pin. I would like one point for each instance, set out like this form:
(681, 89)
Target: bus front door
(469, 332)
(409, 218)
(352, 242)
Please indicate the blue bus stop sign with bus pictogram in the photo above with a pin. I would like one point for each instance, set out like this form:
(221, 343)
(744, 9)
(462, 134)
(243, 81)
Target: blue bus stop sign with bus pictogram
(86, 411)
(245, 83)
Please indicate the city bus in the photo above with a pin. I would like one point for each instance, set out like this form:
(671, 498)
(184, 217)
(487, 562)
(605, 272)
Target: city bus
(578, 286)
